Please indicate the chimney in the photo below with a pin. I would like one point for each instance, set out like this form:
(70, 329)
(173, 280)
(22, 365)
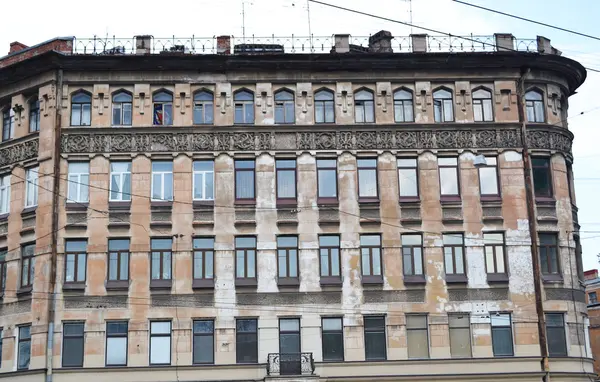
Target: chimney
(591, 274)
(419, 43)
(381, 42)
(504, 42)
(342, 43)
(544, 46)
(16, 47)
(223, 45)
(143, 44)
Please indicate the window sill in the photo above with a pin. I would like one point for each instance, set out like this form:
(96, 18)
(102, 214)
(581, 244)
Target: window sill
(372, 280)
(79, 286)
(497, 278)
(28, 211)
(456, 279)
(246, 282)
(409, 200)
(4, 217)
(288, 281)
(450, 199)
(415, 280)
(490, 198)
(547, 200)
(119, 205)
(245, 203)
(77, 206)
(203, 284)
(161, 204)
(331, 281)
(552, 279)
(117, 285)
(328, 201)
(161, 284)
(368, 201)
(203, 204)
(287, 203)
(24, 290)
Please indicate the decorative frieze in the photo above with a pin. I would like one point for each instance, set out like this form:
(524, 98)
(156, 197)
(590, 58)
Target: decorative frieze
(19, 152)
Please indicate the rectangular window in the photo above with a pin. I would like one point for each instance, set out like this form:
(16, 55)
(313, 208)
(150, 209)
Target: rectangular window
(79, 178)
(204, 180)
(417, 336)
(370, 252)
(75, 261)
(116, 343)
(161, 259)
(502, 339)
(34, 115)
(367, 179)
(375, 339)
(412, 254)
(118, 260)
(454, 254)
(289, 346)
(495, 260)
(204, 341)
(162, 181)
(459, 325)
(31, 187)
(408, 178)
(245, 257)
(287, 257)
(449, 184)
(73, 339)
(4, 194)
(549, 254)
(24, 347)
(3, 269)
(555, 332)
(332, 329)
(246, 339)
(286, 180)
(1, 343)
(8, 124)
(120, 181)
(27, 265)
(488, 178)
(244, 180)
(329, 252)
(542, 177)
(327, 179)
(592, 298)
(160, 342)
(204, 257)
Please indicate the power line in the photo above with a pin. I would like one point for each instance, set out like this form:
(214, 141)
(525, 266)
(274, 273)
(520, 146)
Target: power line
(528, 20)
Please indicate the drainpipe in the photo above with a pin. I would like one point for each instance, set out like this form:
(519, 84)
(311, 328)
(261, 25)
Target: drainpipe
(532, 217)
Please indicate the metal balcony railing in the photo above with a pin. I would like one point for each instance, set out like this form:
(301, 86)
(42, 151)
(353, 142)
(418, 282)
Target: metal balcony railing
(290, 364)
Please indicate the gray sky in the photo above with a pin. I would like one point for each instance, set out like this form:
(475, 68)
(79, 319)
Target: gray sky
(207, 18)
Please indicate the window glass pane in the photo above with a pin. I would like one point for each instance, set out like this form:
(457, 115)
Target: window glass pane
(488, 111)
(329, 241)
(333, 346)
(251, 264)
(327, 183)
(81, 267)
(203, 349)
(500, 320)
(453, 239)
(292, 324)
(161, 244)
(244, 184)
(500, 259)
(76, 245)
(324, 262)
(411, 239)
(488, 181)
(460, 342)
(449, 180)
(286, 184)
(447, 161)
(160, 350)
(367, 183)
(324, 95)
(417, 344)
(375, 345)
(329, 112)
(502, 341)
(160, 327)
(371, 240)
(162, 97)
(533, 95)
(116, 351)
(332, 324)
(539, 111)
(408, 182)
(335, 262)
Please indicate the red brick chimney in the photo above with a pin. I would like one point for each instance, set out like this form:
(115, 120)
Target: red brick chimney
(16, 47)
(223, 45)
(591, 274)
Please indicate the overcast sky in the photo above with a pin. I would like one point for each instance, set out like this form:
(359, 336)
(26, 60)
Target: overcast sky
(184, 18)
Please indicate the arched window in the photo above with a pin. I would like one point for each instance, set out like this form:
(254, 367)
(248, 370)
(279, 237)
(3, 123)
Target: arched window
(482, 105)
(163, 108)
(81, 109)
(324, 109)
(442, 105)
(534, 103)
(403, 106)
(204, 108)
(244, 106)
(284, 107)
(34, 115)
(8, 124)
(364, 107)
(122, 109)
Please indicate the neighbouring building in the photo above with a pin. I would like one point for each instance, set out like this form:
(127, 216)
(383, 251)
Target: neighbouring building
(210, 209)
(592, 289)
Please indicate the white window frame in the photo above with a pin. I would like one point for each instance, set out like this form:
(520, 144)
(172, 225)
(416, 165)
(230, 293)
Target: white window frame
(162, 182)
(4, 194)
(78, 184)
(204, 174)
(121, 174)
(31, 187)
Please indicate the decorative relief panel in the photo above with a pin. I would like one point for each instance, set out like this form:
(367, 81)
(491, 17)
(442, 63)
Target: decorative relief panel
(19, 152)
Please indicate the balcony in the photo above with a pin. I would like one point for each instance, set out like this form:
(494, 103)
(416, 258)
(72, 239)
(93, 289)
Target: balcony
(290, 364)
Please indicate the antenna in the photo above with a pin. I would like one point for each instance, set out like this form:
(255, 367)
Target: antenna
(309, 29)
(410, 14)
(244, 20)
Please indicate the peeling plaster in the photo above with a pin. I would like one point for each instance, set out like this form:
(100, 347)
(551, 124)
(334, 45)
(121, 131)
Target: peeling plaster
(512, 156)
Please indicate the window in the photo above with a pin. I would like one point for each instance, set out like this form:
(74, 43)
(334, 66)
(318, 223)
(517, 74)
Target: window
(408, 178)
(286, 180)
(122, 109)
(161, 259)
(34, 115)
(482, 106)
(8, 124)
(246, 338)
(4, 194)
(534, 104)
(204, 180)
(118, 260)
(79, 177)
(502, 340)
(72, 351)
(454, 255)
(75, 263)
(3, 269)
(244, 180)
(27, 265)
(417, 336)
(555, 333)
(245, 257)
(329, 252)
(31, 187)
(204, 257)
(287, 257)
(459, 325)
(332, 334)
(116, 343)
(163, 108)
(162, 181)
(370, 252)
(488, 178)
(412, 254)
(324, 108)
(81, 109)
(1, 343)
(160, 342)
(364, 107)
(592, 297)
(449, 184)
(367, 179)
(495, 260)
(120, 181)
(289, 346)
(24, 348)
(442, 105)
(403, 106)
(327, 179)
(542, 177)
(375, 339)
(204, 341)
(203, 108)
(244, 107)
(549, 254)
(284, 107)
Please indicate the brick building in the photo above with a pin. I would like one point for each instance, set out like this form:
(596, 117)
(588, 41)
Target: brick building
(256, 212)
(592, 289)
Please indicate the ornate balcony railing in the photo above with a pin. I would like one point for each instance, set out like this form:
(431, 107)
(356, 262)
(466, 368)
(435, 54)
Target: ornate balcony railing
(290, 364)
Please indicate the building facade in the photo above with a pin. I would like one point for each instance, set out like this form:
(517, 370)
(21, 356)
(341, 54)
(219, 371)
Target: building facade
(592, 289)
(258, 213)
